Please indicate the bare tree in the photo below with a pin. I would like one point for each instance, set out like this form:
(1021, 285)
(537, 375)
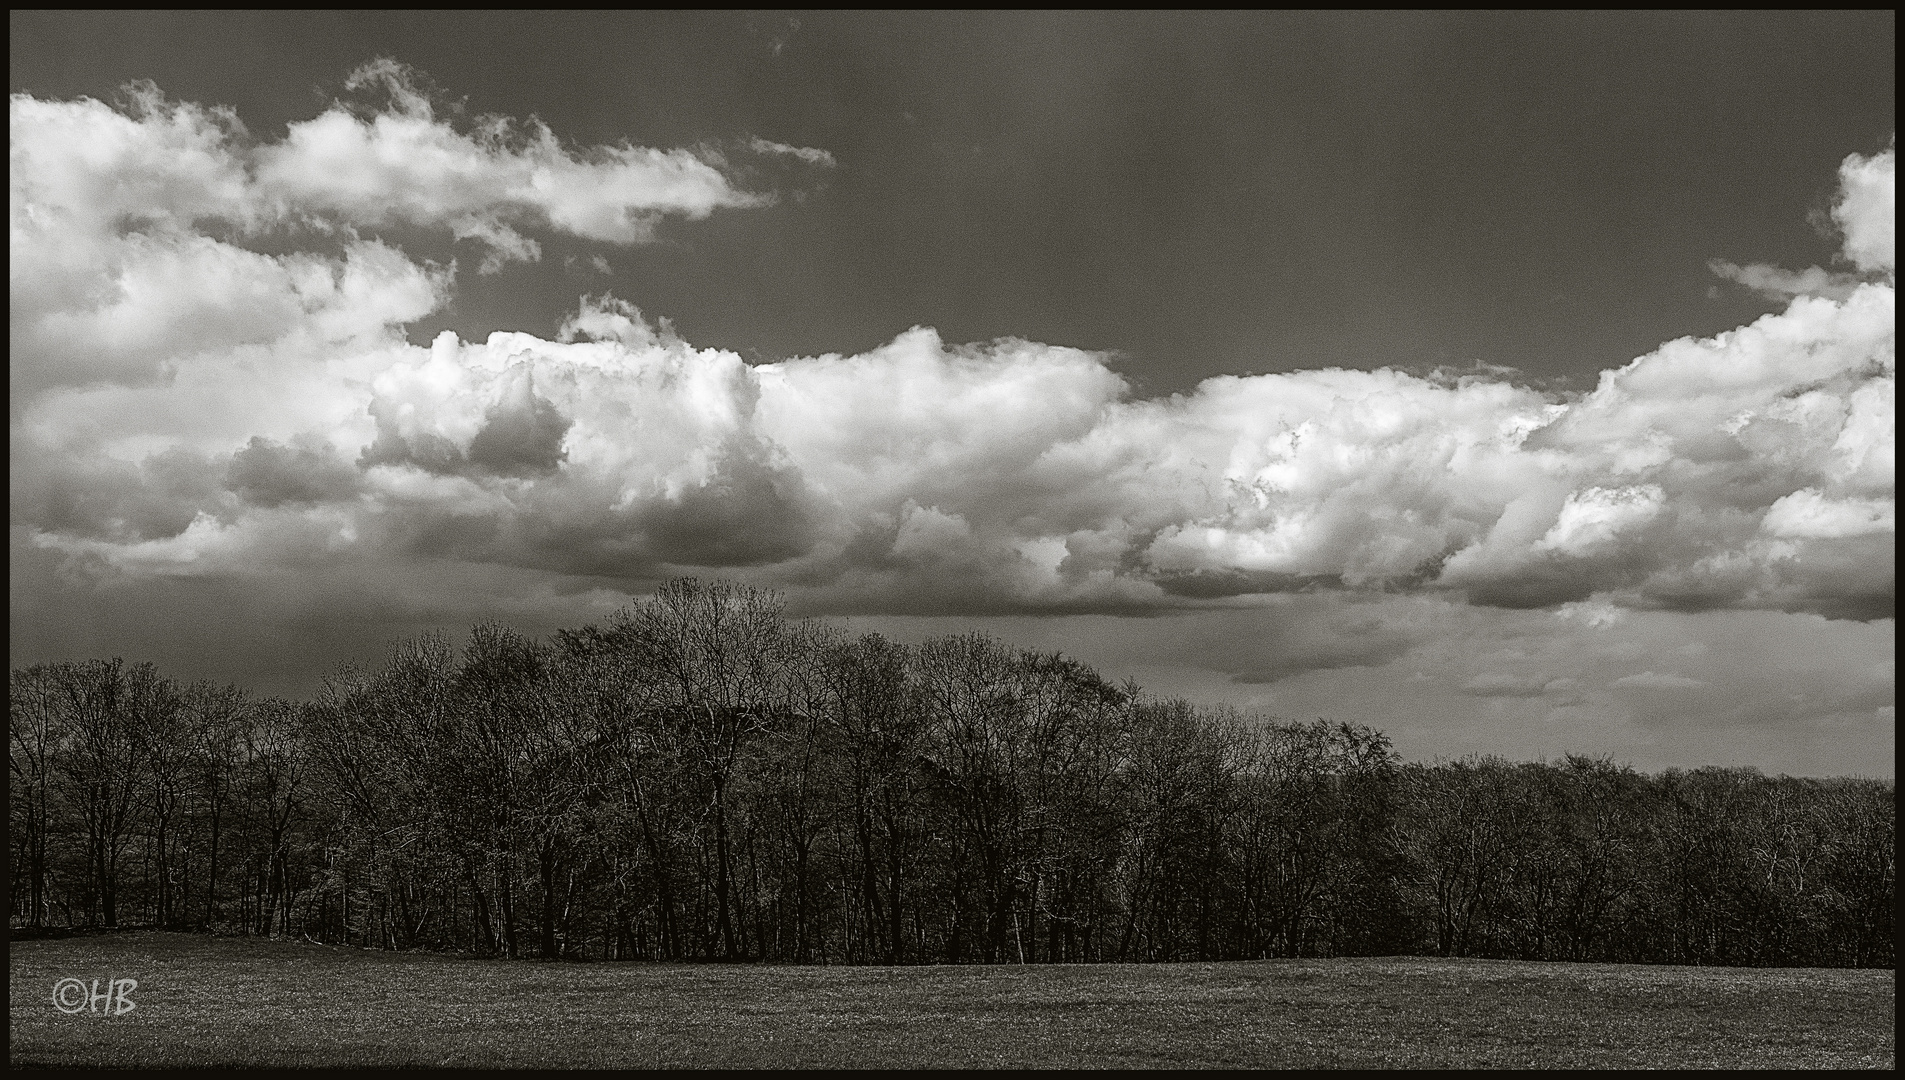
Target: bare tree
(100, 765)
(37, 700)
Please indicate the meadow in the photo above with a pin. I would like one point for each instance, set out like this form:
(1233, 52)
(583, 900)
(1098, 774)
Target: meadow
(212, 1001)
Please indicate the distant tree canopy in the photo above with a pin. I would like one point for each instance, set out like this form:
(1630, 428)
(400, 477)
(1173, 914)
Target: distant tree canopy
(702, 778)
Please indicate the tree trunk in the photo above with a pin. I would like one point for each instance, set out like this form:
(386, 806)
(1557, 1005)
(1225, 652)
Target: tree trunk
(164, 874)
(547, 858)
(509, 912)
(895, 955)
(211, 873)
(724, 927)
(485, 930)
(108, 895)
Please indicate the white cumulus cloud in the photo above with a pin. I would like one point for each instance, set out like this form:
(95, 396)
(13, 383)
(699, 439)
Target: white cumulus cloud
(131, 227)
(1867, 209)
(194, 407)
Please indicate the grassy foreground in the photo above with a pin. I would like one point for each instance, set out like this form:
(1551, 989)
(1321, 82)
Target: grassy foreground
(210, 1001)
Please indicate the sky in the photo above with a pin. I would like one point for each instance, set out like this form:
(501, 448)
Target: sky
(1516, 384)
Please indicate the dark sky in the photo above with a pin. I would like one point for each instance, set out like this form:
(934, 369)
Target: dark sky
(1213, 194)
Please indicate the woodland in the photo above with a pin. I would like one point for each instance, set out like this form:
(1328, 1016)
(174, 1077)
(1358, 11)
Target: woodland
(703, 778)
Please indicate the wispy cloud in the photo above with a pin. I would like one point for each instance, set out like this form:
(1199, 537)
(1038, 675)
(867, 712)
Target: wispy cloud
(808, 154)
(1775, 283)
(1648, 680)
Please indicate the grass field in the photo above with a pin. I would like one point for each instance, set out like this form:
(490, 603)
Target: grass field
(233, 1001)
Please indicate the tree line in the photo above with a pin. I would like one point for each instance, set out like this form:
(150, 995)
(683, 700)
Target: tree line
(701, 777)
